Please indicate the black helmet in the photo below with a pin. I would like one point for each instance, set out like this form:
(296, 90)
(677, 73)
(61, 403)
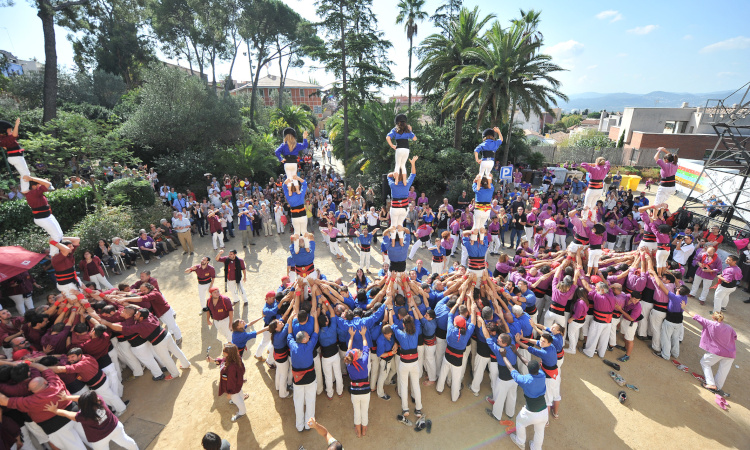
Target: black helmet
(290, 131)
(401, 118)
(4, 125)
(489, 132)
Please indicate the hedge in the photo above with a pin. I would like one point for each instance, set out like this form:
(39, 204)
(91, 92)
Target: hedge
(130, 191)
(68, 206)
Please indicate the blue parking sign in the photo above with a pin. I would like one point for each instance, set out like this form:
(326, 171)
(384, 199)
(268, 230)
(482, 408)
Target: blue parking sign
(506, 173)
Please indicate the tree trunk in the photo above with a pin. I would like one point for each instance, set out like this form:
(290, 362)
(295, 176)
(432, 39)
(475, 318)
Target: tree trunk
(344, 85)
(459, 125)
(411, 46)
(506, 144)
(281, 75)
(49, 91)
(231, 68)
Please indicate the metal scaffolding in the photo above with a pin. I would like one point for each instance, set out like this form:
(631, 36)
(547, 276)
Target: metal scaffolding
(729, 158)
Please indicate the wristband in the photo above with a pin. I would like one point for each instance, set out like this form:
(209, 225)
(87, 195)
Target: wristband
(86, 305)
(57, 303)
(53, 242)
(86, 290)
(88, 318)
(27, 362)
(65, 309)
(298, 293)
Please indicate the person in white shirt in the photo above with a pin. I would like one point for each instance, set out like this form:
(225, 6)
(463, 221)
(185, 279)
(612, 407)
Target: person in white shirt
(684, 247)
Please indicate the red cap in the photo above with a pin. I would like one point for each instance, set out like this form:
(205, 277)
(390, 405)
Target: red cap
(596, 278)
(214, 288)
(270, 294)
(459, 321)
(419, 261)
(285, 278)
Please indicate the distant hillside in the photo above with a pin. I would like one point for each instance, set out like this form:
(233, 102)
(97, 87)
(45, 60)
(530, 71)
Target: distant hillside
(595, 101)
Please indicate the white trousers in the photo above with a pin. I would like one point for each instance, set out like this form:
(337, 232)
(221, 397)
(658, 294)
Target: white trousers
(552, 318)
(239, 401)
(342, 229)
(167, 348)
(279, 225)
(417, 245)
(113, 378)
(592, 196)
(670, 339)
(265, 342)
(402, 156)
(663, 194)
(661, 258)
(237, 291)
(168, 319)
(697, 281)
(623, 242)
(538, 420)
(304, 404)
(203, 293)
(573, 331)
(218, 239)
(440, 347)
(53, 229)
(644, 325)
(385, 370)
(100, 281)
(613, 331)
(455, 244)
(455, 373)
(364, 260)
(290, 169)
(598, 338)
(478, 366)
(409, 372)
(437, 267)
(361, 404)
(721, 297)
(69, 437)
(126, 355)
(22, 303)
(19, 162)
(725, 364)
(145, 355)
(335, 250)
(560, 239)
(495, 243)
(550, 237)
(655, 320)
(398, 215)
(485, 167)
(529, 235)
(283, 377)
(480, 218)
(223, 329)
(331, 371)
(594, 257)
(430, 364)
(524, 353)
(552, 393)
(112, 398)
(504, 394)
(300, 225)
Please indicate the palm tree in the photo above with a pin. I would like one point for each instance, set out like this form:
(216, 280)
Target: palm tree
(410, 12)
(441, 57)
(507, 69)
(295, 117)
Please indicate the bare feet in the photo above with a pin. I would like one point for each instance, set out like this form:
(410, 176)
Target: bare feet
(364, 430)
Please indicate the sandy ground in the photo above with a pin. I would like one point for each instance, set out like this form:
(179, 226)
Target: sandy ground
(671, 409)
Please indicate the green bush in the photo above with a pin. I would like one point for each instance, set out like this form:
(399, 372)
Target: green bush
(142, 217)
(130, 191)
(104, 223)
(32, 240)
(68, 206)
(535, 160)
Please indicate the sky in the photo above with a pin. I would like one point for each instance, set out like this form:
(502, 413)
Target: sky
(637, 46)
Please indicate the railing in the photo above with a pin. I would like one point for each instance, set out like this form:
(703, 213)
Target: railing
(616, 156)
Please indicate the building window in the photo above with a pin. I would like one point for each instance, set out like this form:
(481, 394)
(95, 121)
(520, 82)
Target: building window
(318, 109)
(301, 92)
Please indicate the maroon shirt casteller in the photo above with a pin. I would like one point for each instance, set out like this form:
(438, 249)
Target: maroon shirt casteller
(232, 377)
(98, 429)
(220, 309)
(57, 341)
(231, 271)
(205, 276)
(151, 280)
(34, 404)
(156, 302)
(12, 327)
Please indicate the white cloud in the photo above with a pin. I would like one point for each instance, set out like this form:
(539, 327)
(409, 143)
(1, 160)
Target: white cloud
(688, 37)
(643, 30)
(592, 67)
(566, 49)
(727, 74)
(611, 15)
(622, 55)
(735, 43)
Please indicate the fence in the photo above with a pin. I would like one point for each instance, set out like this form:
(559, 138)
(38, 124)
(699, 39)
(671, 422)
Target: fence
(616, 156)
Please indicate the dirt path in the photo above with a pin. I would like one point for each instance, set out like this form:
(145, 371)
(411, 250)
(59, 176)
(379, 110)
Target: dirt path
(670, 409)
